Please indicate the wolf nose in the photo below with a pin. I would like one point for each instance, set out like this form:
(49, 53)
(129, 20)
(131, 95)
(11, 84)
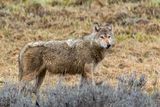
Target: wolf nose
(108, 46)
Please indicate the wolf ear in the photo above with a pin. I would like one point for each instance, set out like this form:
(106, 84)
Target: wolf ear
(109, 26)
(96, 27)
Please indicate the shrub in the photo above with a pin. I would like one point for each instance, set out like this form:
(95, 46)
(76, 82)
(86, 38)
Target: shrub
(128, 93)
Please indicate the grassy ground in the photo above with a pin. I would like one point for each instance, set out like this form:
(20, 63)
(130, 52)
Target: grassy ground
(136, 26)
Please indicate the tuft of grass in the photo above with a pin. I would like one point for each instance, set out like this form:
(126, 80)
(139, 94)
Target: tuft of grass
(42, 2)
(139, 37)
(154, 3)
(142, 37)
(121, 38)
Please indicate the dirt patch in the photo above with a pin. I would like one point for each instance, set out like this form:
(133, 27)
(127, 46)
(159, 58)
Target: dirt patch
(141, 10)
(153, 29)
(124, 1)
(37, 9)
(117, 17)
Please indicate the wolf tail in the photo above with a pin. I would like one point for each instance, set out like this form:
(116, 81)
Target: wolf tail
(21, 56)
(20, 75)
(20, 60)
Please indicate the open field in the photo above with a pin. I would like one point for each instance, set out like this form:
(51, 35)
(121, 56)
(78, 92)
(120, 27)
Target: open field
(136, 26)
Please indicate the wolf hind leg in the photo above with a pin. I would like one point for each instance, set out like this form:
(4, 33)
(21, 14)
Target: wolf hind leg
(39, 80)
(38, 83)
(25, 86)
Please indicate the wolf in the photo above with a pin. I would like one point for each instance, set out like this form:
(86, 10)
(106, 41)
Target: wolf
(72, 56)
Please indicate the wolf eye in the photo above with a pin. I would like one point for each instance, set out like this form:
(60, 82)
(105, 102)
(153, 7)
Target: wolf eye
(102, 37)
(109, 36)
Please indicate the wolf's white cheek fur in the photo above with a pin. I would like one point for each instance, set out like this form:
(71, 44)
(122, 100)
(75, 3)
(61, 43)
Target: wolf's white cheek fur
(111, 41)
(103, 44)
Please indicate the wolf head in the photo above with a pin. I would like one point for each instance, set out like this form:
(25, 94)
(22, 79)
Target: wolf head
(103, 35)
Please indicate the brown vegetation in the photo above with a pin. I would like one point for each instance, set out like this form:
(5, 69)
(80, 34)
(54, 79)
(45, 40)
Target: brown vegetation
(136, 24)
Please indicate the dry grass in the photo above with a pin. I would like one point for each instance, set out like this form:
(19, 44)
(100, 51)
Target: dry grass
(137, 30)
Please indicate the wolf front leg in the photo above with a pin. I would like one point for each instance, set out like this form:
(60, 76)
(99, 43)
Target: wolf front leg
(87, 76)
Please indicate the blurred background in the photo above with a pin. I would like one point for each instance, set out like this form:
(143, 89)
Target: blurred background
(136, 26)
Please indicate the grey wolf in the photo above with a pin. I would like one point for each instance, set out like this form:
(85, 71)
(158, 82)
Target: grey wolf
(72, 56)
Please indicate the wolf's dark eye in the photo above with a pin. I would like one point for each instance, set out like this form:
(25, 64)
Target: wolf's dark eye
(102, 37)
(109, 36)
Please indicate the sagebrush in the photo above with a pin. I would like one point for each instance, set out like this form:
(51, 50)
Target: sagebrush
(128, 93)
